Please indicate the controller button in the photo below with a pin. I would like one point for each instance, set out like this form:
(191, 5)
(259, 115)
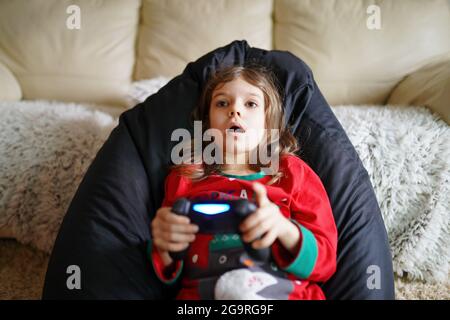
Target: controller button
(194, 258)
(222, 259)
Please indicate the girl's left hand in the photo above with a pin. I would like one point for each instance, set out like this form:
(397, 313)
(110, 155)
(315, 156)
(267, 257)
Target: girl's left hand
(266, 221)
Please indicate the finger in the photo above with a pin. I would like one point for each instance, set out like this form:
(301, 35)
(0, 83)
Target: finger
(165, 214)
(254, 219)
(179, 228)
(259, 230)
(156, 233)
(177, 237)
(261, 194)
(173, 237)
(266, 240)
(171, 217)
(166, 224)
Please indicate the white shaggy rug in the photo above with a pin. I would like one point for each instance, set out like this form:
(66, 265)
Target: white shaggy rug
(406, 151)
(45, 147)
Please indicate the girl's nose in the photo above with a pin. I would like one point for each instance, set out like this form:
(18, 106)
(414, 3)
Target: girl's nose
(232, 113)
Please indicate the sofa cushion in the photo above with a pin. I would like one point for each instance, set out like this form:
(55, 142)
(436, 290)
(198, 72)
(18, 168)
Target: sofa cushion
(353, 62)
(9, 87)
(428, 86)
(51, 61)
(175, 32)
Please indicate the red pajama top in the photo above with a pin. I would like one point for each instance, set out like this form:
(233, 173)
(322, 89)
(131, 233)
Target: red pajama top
(300, 196)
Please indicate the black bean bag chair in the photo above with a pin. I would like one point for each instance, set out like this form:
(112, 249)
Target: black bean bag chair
(107, 226)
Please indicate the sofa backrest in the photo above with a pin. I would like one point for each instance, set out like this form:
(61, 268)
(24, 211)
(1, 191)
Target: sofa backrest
(353, 61)
(357, 51)
(175, 32)
(52, 61)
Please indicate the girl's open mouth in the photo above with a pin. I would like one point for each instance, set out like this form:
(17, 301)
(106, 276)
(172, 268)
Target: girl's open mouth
(235, 129)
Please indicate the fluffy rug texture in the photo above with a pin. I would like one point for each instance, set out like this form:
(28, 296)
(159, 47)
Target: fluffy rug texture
(46, 147)
(406, 151)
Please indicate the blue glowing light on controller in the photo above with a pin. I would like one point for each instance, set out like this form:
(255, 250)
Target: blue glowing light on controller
(211, 208)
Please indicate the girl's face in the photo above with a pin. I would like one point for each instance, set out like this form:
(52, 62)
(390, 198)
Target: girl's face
(237, 110)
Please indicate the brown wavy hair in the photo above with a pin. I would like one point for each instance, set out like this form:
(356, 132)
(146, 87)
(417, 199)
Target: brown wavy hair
(262, 78)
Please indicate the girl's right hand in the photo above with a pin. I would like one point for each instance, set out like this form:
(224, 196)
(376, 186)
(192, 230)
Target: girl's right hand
(171, 232)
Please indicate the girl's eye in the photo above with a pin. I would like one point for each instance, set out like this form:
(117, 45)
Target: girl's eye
(221, 103)
(252, 104)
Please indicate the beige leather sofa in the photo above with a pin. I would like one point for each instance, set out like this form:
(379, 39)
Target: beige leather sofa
(362, 52)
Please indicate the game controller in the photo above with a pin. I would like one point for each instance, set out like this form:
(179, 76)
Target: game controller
(218, 216)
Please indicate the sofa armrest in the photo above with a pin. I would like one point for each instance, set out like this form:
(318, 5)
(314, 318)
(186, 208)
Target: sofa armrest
(9, 87)
(429, 86)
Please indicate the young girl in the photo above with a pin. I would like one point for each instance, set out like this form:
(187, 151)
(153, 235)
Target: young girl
(293, 218)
